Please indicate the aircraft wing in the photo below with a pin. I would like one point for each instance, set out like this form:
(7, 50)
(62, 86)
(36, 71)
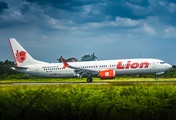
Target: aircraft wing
(79, 71)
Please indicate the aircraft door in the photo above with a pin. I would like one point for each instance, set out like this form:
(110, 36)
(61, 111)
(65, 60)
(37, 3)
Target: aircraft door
(153, 65)
(37, 70)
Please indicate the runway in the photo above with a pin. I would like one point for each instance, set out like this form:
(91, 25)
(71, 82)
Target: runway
(125, 83)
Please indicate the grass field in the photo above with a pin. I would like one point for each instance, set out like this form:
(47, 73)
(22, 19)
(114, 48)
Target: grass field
(79, 101)
(87, 102)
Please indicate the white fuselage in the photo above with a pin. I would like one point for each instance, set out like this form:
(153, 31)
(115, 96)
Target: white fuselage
(121, 67)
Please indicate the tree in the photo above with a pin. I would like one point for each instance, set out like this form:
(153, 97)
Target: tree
(91, 57)
(68, 60)
(5, 68)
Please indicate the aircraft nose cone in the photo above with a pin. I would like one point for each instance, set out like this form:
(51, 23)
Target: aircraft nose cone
(169, 66)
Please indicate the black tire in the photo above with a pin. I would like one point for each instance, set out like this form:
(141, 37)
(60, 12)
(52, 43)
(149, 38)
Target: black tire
(89, 79)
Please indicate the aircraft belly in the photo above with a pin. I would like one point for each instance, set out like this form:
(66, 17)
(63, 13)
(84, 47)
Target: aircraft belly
(61, 74)
(134, 71)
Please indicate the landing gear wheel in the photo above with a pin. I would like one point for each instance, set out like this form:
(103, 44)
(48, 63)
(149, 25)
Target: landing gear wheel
(89, 79)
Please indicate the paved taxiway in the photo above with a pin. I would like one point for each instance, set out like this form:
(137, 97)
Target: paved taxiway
(126, 83)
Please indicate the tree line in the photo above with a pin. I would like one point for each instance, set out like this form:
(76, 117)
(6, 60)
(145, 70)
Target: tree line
(90, 57)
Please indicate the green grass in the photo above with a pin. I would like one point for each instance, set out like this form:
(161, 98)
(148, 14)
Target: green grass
(87, 102)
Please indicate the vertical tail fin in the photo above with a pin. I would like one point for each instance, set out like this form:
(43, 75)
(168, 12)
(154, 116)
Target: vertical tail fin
(21, 56)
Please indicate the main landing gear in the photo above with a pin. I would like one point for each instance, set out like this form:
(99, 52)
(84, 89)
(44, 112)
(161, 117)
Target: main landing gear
(89, 79)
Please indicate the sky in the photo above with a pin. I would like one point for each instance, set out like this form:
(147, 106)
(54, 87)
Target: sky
(112, 29)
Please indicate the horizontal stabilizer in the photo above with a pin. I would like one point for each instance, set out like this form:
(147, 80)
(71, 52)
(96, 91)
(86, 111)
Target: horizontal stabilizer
(17, 67)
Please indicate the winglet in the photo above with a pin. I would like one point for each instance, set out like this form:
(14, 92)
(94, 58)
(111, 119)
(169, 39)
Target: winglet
(64, 62)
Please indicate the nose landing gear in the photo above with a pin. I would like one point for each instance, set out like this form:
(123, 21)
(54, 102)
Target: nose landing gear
(156, 77)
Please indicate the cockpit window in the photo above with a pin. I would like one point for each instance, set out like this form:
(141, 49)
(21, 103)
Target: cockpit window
(162, 62)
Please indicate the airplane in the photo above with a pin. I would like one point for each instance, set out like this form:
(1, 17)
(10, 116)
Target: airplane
(104, 69)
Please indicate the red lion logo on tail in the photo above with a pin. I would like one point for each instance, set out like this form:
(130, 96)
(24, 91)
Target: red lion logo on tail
(20, 56)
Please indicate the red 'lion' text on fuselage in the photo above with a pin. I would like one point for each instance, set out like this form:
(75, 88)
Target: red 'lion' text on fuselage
(132, 65)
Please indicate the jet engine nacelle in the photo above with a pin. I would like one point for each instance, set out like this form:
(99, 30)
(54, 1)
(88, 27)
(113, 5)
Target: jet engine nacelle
(107, 74)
